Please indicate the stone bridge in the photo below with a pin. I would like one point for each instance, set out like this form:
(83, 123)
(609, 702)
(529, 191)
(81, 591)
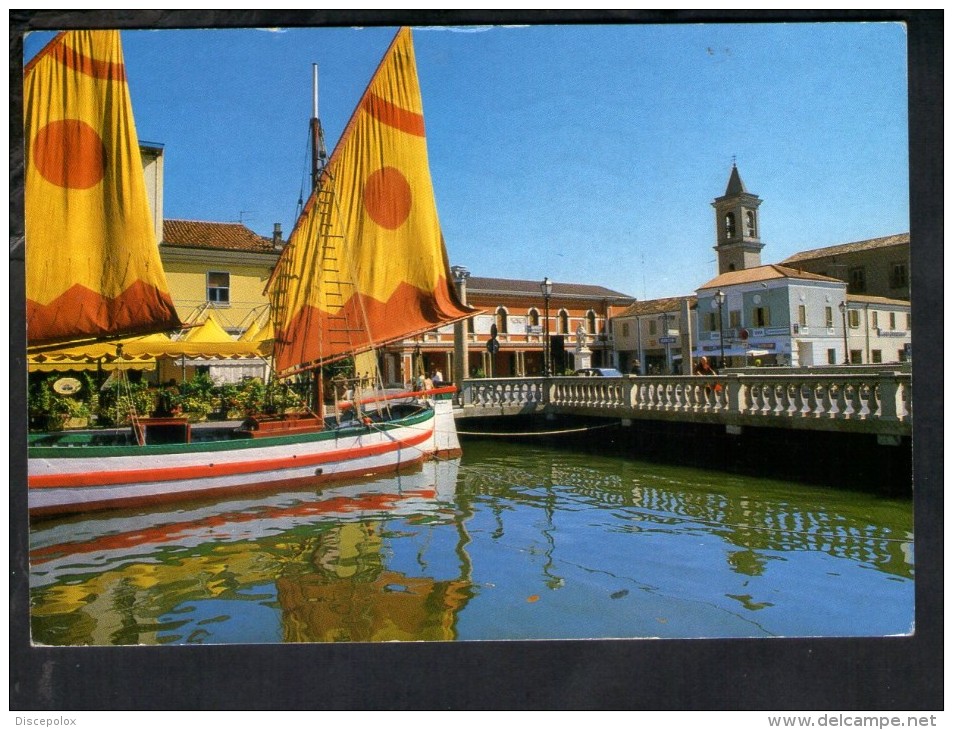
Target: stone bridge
(870, 401)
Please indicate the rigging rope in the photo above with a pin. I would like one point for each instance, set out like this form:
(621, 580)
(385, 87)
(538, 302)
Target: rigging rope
(514, 433)
(538, 433)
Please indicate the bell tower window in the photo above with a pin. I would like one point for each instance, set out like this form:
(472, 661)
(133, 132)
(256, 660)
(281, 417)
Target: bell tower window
(751, 230)
(730, 225)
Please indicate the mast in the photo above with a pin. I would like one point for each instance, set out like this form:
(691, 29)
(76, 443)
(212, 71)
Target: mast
(319, 158)
(319, 155)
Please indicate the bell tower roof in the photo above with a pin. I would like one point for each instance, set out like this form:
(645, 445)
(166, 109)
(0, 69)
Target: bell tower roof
(736, 185)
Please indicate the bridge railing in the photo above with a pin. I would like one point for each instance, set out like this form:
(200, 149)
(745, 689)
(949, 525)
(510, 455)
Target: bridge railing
(885, 396)
(503, 392)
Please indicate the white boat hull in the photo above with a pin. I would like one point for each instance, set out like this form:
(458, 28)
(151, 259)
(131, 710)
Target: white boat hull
(86, 478)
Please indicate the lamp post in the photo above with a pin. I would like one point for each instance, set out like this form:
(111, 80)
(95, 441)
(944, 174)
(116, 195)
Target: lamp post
(668, 347)
(843, 314)
(547, 288)
(461, 355)
(720, 298)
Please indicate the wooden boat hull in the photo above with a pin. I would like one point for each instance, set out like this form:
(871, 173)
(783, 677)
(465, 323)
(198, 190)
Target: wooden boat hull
(66, 480)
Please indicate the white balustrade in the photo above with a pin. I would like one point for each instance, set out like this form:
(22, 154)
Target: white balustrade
(876, 397)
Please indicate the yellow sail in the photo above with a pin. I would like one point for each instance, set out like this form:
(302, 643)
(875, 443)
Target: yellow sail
(92, 261)
(366, 262)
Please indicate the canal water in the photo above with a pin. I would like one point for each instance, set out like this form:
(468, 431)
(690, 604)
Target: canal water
(507, 543)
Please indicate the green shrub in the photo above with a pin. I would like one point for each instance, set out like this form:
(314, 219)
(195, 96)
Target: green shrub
(275, 397)
(49, 410)
(119, 400)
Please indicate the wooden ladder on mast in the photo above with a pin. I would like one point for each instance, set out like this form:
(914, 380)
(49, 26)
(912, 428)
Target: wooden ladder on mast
(338, 285)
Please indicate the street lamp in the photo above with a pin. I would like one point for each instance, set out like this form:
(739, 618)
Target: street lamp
(668, 347)
(461, 354)
(720, 298)
(843, 314)
(547, 288)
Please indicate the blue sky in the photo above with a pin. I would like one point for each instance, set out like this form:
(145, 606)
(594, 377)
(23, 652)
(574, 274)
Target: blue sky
(586, 153)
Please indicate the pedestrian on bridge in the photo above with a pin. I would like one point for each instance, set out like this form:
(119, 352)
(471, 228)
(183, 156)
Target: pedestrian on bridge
(704, 367)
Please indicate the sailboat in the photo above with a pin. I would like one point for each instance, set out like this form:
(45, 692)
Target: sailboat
(365, 265)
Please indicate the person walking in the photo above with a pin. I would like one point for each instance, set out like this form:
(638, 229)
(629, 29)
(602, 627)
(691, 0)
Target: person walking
(704, 367)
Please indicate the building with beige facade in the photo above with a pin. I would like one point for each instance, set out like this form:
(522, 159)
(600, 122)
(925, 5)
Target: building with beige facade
(878, 330)
(648, 335)
(877, 267)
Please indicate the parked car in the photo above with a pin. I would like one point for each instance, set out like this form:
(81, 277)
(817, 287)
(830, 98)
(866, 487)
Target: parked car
(599, 373)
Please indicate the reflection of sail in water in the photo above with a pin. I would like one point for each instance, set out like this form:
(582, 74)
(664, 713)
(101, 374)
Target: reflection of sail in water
(153, 577)
(347, 593)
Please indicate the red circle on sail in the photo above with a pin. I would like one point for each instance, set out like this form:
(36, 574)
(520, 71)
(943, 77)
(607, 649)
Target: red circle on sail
(387, 197)
(69, 153)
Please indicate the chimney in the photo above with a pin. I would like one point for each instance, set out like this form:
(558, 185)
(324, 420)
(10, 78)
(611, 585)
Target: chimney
(276, 237)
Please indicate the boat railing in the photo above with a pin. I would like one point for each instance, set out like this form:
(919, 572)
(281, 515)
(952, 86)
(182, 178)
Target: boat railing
(379, 396)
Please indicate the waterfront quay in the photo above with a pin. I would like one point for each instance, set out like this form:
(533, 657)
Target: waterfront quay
(849, 427)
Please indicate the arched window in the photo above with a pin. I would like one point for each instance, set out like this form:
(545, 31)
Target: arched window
(749, 221)
(533, 317)
(563, 322)
(591, 322)
(730, 225)
(501, 320)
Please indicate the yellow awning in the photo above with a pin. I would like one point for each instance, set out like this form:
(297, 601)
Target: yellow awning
(132, 353)
(70, 365)
(207, 342)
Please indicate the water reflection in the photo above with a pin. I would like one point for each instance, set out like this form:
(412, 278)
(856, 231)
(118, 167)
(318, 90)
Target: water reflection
(344, 592)
(294, 566)
(502, 546)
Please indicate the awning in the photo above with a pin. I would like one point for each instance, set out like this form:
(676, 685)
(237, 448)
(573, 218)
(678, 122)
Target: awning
(206, 342)
(714, 349)
(128, 354)
(70, 365)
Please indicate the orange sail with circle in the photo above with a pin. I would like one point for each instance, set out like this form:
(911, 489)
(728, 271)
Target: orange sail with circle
(92, 261)
(366, 262)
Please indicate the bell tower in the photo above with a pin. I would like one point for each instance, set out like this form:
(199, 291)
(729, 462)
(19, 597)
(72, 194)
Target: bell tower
(736, 221)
